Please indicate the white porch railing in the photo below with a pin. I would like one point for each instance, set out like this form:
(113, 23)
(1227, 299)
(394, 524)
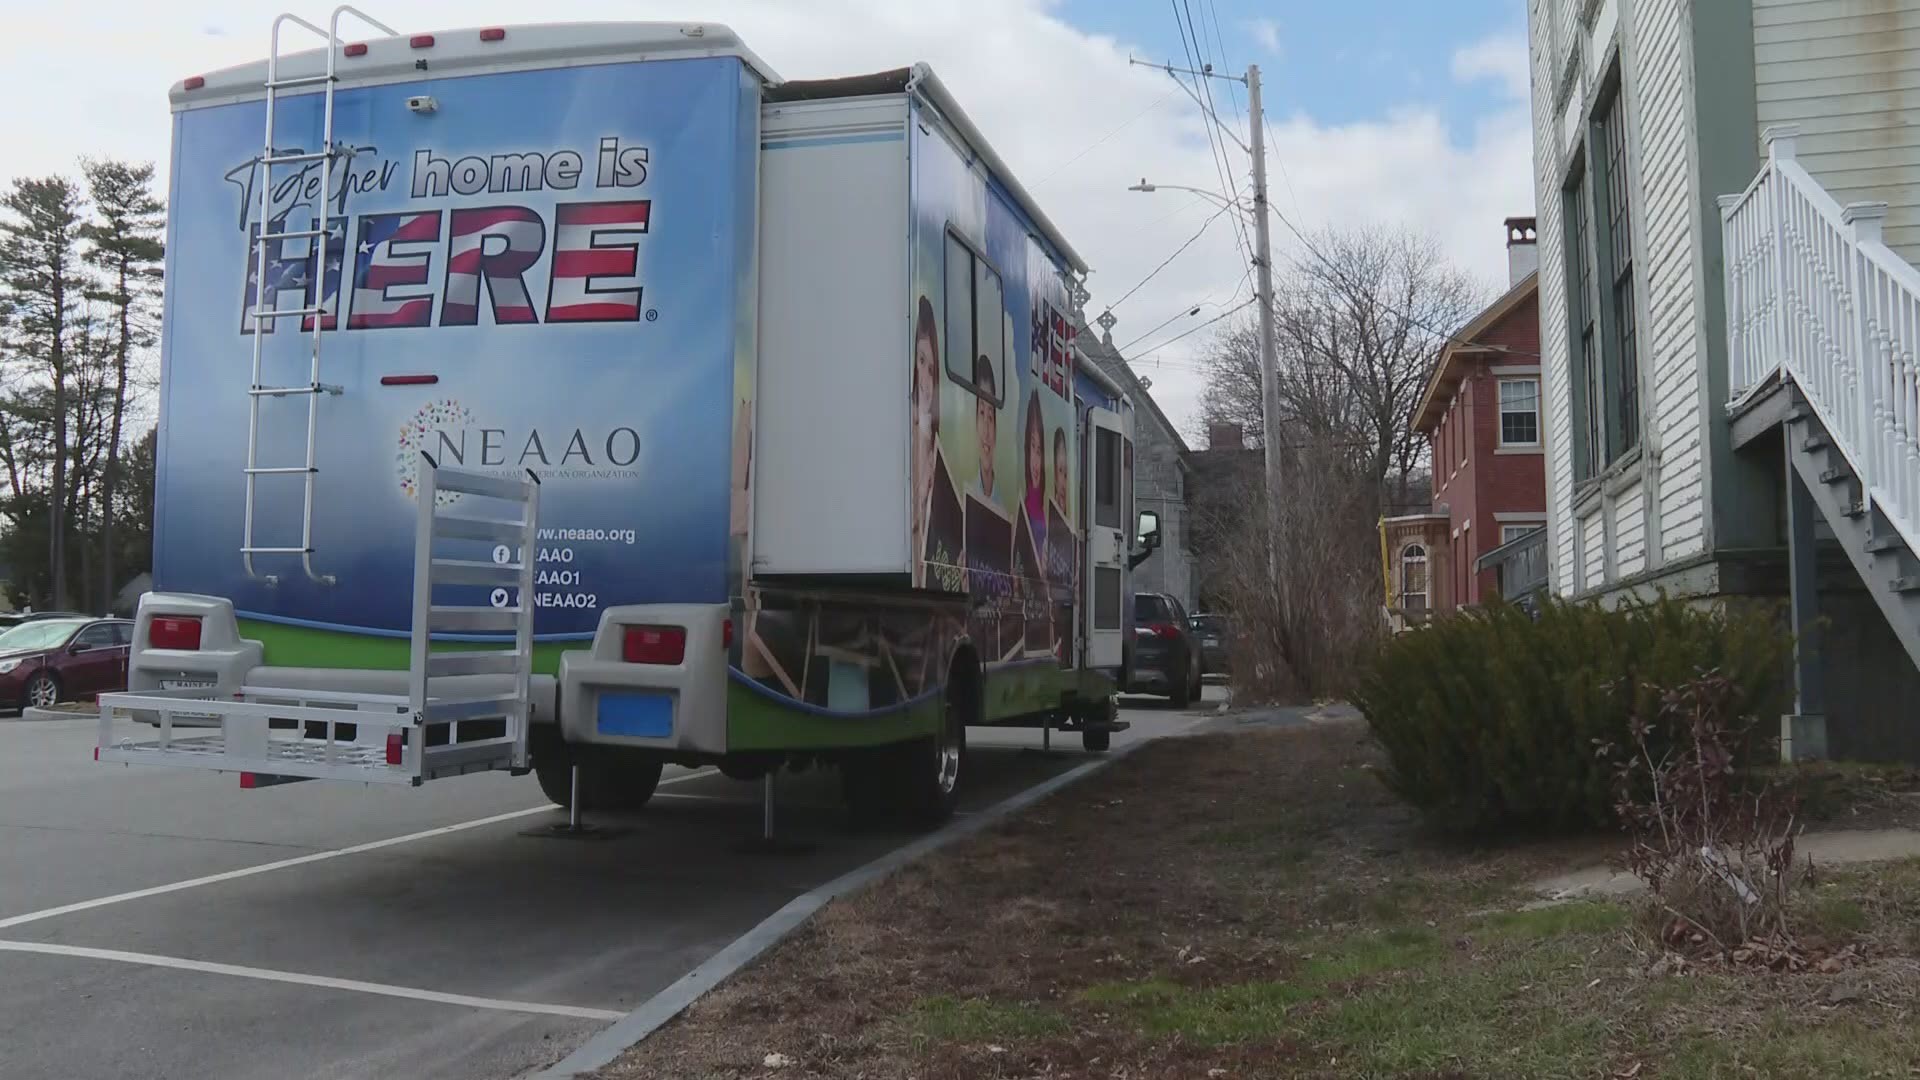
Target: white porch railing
(1814, 295)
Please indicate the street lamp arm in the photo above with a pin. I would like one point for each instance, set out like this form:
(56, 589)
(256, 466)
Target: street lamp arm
(1212, 196)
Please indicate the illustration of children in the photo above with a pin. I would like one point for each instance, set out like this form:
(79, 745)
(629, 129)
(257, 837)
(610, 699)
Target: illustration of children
(926, 430)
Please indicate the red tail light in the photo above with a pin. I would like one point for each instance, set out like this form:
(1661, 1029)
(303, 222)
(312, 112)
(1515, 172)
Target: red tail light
(726, 634)
(654, 645)
(396, 747)
(174, 632)
(421, 41)
(194, 82)
(1159, 629)
(493, 33)
(358, 48)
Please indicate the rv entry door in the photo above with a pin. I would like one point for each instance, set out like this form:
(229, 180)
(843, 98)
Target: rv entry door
(1106, 602)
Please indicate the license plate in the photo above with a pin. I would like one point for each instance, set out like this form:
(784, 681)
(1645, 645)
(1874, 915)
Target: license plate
(186, 684)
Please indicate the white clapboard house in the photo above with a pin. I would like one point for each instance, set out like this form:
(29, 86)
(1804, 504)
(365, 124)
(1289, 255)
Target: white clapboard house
(1729, 218)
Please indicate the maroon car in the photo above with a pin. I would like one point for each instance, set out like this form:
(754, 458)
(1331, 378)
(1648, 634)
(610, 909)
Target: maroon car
(63, 659)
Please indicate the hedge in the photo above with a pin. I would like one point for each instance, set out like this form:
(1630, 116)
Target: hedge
(1490, 717)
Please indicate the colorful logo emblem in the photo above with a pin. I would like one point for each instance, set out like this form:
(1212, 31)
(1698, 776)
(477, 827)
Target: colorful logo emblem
(422, 432)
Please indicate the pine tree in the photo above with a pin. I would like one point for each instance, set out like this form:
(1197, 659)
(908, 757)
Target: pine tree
(125, 244)
(42, 286)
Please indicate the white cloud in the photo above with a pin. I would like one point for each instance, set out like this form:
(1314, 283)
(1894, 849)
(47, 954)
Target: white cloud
(1502, 57)
(1042, 90)
(1267, 33)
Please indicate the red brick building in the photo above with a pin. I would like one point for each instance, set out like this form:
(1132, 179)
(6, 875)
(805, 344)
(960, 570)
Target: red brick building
(1482, 418)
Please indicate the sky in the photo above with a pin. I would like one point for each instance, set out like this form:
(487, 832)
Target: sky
(1400, 113)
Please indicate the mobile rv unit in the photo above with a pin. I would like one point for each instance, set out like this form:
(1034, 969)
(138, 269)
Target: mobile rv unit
(585, 396)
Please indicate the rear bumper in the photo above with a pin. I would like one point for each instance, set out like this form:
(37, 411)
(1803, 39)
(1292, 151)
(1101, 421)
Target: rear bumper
(679, 708)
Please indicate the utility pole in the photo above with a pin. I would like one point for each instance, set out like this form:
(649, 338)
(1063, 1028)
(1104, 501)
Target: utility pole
(1263, 268)
(1263, 271)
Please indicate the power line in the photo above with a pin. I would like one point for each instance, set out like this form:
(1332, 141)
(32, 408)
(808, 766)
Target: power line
(1176, 254)
(1216, 146)
(1249, 302)
(1062, 167)
(1192, 309)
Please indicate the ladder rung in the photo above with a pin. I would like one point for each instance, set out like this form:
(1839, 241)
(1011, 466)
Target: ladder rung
(280, 470)
(288, 313)
(446, 617)
(297, 235)
(479, 484)
(474, 572)
(439, 709)
(286, 391)
(465, 528)
(501, 662)
(298, 80)
(294, 159)
(274, 550)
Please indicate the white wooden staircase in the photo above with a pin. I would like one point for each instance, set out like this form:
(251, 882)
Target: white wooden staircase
(1820, 309)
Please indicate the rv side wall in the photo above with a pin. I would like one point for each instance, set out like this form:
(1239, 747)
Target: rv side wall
(830, 461)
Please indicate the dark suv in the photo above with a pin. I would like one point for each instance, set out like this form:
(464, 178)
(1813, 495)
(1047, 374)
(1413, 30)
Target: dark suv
(1166, 660)
(1212, 631)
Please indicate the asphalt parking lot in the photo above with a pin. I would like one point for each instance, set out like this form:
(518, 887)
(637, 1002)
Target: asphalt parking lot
(159, 923)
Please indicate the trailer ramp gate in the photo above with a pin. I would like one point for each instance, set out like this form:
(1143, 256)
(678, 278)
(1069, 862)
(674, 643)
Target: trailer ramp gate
(272, 732)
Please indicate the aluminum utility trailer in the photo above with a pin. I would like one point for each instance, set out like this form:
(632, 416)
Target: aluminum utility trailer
(272, 734)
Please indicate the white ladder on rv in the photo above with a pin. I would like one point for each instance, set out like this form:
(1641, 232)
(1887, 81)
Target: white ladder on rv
(479, 723)
(265, 309)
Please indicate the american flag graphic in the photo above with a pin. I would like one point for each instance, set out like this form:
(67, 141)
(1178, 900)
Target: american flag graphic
(380, 268)
(596, 261)
(498, 244)
(290, 268)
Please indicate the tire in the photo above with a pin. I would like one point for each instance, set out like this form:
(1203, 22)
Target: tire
(933, 767)
(1182, 695)
(43, 690)
(622, 782)
(1096, 742)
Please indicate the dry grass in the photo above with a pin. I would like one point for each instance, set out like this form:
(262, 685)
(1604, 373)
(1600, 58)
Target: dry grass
(1256, 905)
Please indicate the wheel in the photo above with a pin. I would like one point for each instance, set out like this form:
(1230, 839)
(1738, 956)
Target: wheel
(610, 782)
(920, 779)
(932, 766)
(1182, 695)
(43, 690)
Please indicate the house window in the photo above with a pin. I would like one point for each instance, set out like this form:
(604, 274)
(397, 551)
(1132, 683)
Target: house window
(1510, 533)
(1413, 578)
(1625, 343)
(1590, 449)
(976, 324)
(1519, 412)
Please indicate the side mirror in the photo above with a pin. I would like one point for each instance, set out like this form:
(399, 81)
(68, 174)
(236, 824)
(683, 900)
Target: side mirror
(79, 647)
(1149, 530)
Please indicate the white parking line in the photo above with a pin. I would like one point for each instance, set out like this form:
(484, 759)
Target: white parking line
(299, 860)
(325, 981)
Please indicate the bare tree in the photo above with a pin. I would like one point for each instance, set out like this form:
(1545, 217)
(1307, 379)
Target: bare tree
(1360, 317)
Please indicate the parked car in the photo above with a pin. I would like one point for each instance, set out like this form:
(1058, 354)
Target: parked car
(15, 618)
(1213, 632)
(1166, 659)
(49, 660)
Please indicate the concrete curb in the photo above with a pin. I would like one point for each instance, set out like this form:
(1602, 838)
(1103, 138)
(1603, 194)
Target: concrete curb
(31, 713)
(600, 1050)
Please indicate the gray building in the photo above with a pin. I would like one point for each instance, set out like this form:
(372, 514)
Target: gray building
(1160, 474)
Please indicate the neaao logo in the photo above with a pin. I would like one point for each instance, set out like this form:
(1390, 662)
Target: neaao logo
(423, 432)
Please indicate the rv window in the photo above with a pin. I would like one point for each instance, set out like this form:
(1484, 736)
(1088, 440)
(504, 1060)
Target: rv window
(1106, 473)
(1106, 598)
(976, 322)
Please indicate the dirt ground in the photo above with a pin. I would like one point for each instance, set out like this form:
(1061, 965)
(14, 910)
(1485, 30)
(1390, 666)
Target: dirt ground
(1256, 904)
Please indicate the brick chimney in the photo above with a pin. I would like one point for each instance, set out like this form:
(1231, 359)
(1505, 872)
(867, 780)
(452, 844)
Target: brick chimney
(1225, 437)
(1523, 249)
